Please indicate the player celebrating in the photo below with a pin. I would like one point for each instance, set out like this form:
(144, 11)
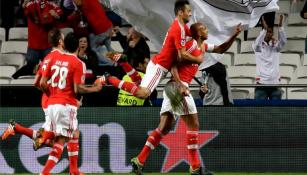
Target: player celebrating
(176, 104)
(173, 47)
(66, 74)
(56, 40)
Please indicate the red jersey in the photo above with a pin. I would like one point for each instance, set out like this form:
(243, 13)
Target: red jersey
(43, 65)
(64, 71)
(175, 39)
(187, 71)
(95, 16)
(40, 22)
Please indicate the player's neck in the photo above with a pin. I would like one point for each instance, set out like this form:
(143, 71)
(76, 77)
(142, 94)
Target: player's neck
(180, 20)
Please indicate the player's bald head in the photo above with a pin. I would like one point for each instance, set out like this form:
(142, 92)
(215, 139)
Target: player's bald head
(194, 30)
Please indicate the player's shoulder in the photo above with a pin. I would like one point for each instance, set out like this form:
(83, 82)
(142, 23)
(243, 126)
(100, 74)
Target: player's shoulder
(73, 59)
(191, 44)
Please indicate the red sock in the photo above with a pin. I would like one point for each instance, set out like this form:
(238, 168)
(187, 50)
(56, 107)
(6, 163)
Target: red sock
(192, 144)
(73, 151)
(152, 142)
(124, 85)
(22, 130)
(133, 74)
(47, 135)
(54, 157)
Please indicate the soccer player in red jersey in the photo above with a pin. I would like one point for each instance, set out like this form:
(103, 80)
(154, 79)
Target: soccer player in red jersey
(66, 74)
(173, 48)
(175, 103)
(56, 40)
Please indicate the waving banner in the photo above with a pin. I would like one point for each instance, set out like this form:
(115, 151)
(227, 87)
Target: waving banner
(153, 17)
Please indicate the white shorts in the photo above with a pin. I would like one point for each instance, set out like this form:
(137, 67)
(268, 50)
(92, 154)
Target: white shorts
(154, 74)
(187, 106)
(47, 118)
(61, 119)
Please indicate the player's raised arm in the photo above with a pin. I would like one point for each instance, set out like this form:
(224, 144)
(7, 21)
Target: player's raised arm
(226, 45)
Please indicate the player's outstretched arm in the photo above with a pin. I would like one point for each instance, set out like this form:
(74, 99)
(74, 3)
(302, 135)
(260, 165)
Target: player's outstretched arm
(82, 89)
(226, 45)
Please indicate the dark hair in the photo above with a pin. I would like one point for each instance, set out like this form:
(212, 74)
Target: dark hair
(180, 5)
(71, 42)
(194, 30)
(54, 36)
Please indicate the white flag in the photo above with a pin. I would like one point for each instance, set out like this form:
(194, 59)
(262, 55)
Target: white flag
(153, 17)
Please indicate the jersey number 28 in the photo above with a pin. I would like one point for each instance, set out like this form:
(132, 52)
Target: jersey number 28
(60, 72)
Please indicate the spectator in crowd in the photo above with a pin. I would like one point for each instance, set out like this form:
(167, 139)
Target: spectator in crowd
(89, 57)
(134, 44)
(304, 11)
(41, 16)
(210, 91)
(99, 24)
(267, 50)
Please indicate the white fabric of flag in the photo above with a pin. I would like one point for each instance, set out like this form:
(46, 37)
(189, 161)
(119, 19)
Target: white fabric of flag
(153, 17)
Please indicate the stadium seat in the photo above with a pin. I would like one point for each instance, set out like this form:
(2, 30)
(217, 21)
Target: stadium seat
(288, 59)
(296, 32)
(286, 72)
(226, 60)
(152, 47)
(253, 33)
(233, 48)
(7, 71)
(4, 81)
(241, 81)
(242, 72)
(240, 93)
(305, 60)
(2, 34)
(294, 46)
(296, 19)
(66, 30)
(14, 47)
(25, 81)
(298, 94)
(245, 60)
(18, 33)
(246, 47)
(284, 7)
(301, 72)
(16, 60)
(295, 91)
(116, 46)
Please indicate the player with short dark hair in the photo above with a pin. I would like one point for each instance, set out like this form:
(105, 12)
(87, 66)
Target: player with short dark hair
(66, 74)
